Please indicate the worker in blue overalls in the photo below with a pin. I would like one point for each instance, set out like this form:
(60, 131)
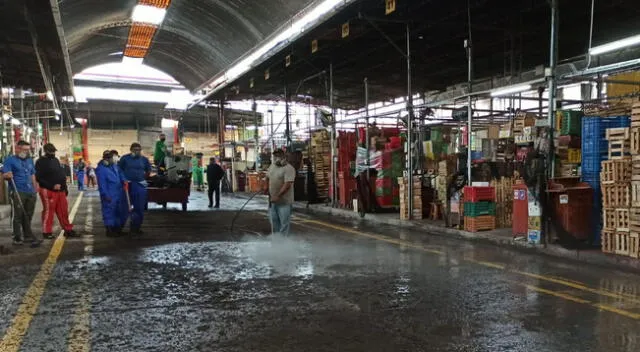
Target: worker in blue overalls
(135, 168)
(110, 186)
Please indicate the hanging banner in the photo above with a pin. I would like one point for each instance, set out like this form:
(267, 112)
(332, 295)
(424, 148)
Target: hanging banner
(287, 61)
(314, 46)
(391, 6)
(345, 30)
(251, 82)
(266, 75)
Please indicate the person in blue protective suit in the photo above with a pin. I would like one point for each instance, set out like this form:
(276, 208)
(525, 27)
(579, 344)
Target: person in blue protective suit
(110, 182)
(135, 169)
(80, 169)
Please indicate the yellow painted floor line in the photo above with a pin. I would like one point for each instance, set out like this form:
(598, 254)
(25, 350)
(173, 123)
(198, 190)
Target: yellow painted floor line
(14, 336)
(577, 286)
(500, 266)
(553, 293)
(80, 335)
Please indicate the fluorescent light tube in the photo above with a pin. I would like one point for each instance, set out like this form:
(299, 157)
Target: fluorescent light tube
(148, 14)
(618, 44)
(511, 90)
(127, 60)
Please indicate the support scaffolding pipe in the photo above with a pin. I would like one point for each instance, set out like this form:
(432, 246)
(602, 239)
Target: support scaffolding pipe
(366, 135)
(332, 104)
(469, 108)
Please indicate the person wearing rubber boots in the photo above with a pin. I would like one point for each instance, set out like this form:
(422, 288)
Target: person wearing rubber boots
(280, 178)
(80, 169)
(53, 193)
(135, 168)
(20, 173)
(110, 182)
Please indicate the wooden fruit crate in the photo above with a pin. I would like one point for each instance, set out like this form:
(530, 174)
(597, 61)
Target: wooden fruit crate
(634, 220)
(634, 244)
(614, 171)
(635, 193)
(616, 196)
(609, 219)
(480, 223)
(622, 243)
(635, 168)
(635, 140)
(635, 115)
(619, 133)
(622, 219)
(608, 241)
(619, 149)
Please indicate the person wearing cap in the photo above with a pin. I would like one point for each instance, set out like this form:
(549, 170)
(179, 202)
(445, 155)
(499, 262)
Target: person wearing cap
(135, 168)
(111, 192)
(51, 177)
(19, 171)
(280, 178)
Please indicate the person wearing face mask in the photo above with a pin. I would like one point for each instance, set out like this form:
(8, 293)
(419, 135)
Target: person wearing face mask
(160, 153)
(135, 169)
(53, 193)
(19, 171)
(280, 178)
(116, 156)
(110, 187)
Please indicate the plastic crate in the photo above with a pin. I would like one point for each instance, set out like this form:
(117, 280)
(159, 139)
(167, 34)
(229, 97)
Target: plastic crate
(479, 209)
(571, 122)
(478, 194)
(480, 223)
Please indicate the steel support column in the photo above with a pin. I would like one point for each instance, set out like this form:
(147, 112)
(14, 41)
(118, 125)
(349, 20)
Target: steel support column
(553, 61)
(409, 129)
(367, 142)
(334, 190)
(468, 44)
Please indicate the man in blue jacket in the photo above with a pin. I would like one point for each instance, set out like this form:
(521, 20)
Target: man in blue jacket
(135, 169)
(110, 183)
(20, 172)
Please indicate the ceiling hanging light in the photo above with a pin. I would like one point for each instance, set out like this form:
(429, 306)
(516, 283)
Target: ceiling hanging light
(148, 14)
(618, 44)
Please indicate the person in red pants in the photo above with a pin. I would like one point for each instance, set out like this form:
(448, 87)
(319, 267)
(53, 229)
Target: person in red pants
(53, 191)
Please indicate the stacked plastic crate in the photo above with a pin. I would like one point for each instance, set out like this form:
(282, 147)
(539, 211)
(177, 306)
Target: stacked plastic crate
(570, 122)
(479, 209)
(595, 149)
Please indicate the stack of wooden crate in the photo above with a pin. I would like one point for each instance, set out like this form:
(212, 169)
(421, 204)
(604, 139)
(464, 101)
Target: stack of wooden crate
(404, 198)
(616, 180)
(634, 212)
(321, 156)
(504, 201)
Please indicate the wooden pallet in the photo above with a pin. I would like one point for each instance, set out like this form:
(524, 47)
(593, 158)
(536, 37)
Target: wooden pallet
(609, 219)
(616, 196)
(634, 219)
(479, 223)
(634, 244)
(608, 241)
(615, 171)
(622, 219)
(622, 243)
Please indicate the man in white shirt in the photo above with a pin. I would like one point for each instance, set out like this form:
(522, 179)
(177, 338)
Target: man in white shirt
(280, 178)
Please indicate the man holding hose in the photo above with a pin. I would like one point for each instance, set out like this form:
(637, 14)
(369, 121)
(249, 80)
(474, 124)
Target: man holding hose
(20, 172)
(280, 178)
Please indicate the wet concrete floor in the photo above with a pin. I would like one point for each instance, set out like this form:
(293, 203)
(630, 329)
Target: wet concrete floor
(192, 284)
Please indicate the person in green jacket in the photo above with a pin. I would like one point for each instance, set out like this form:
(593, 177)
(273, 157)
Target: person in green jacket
(198, 171)
(160, 153)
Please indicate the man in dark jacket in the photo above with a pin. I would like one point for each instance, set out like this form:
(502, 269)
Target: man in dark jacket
(215, 173)
(53, 192)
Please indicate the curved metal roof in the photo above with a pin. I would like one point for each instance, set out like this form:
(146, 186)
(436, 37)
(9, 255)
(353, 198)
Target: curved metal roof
(197, 39)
